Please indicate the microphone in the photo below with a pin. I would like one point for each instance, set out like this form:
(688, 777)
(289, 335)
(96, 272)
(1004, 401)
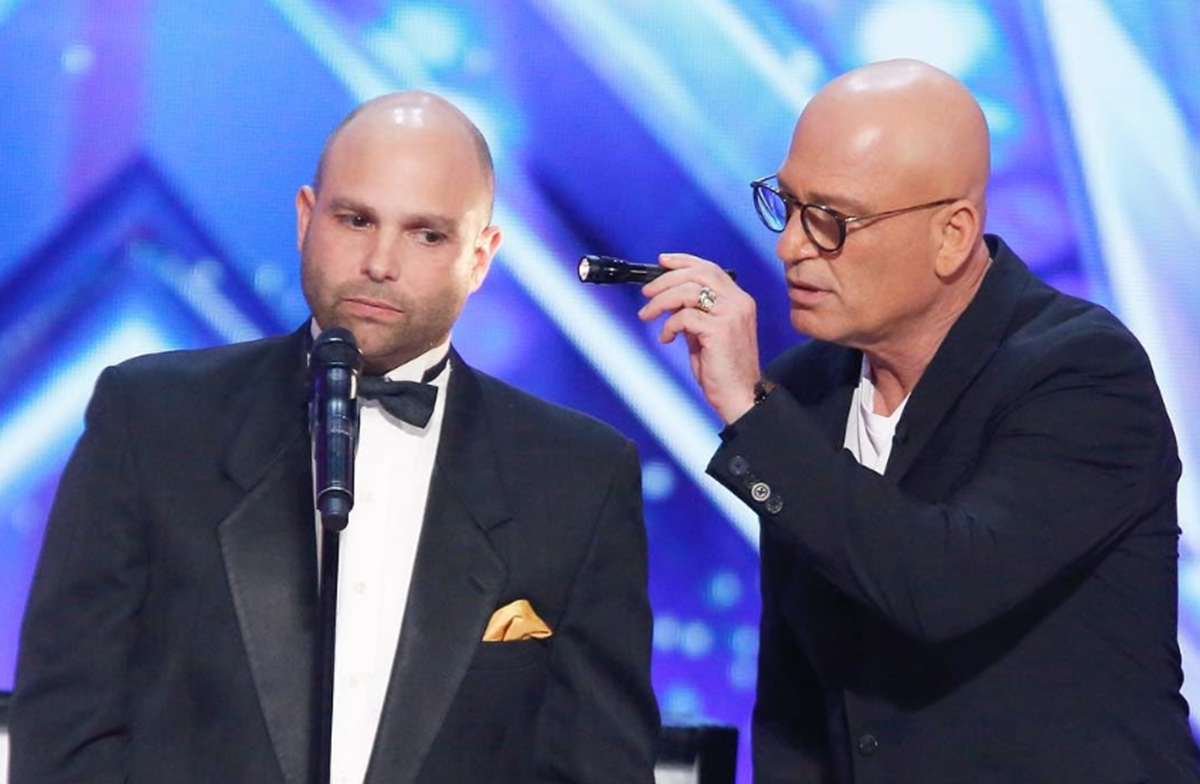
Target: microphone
(610, 269)
(334, 364)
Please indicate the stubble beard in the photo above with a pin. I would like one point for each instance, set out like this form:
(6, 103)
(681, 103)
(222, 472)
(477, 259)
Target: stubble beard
(384, 346)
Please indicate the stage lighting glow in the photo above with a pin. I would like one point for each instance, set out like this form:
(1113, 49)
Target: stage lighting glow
(667, 631)
(78, 59)
(696, 640)
(433, 32)
(682, 702)
(724, 589)
(43, 426)
(658, 480)
(952, 36)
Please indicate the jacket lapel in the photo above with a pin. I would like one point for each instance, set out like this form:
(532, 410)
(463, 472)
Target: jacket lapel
(268, 545)
(833, 408)
(967, 349)
(457, 580)
(823, 384)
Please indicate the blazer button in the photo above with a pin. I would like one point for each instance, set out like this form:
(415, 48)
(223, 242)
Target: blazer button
(739, 465)
(760, 491)
(867, 744)
(774, 505)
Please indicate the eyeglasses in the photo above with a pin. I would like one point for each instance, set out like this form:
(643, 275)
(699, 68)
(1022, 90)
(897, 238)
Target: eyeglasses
(825, 226)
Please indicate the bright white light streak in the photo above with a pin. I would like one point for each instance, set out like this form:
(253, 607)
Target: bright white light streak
(639, 71)
(6, 8)
(365, 78)
(197, 285)
(757, 52)
(1132, 142)
(329, 43)
(54, 414)
(664, 409)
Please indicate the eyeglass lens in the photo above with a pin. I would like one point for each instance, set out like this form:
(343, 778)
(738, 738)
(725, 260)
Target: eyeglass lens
(771, 208)
(821, 225)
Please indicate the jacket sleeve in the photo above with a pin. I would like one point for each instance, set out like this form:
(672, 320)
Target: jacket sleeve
(70, 703)
(1071, 465)
(599, 721)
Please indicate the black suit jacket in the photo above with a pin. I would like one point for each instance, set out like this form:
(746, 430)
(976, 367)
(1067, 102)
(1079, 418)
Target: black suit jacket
(169, 632)
(1000, 606)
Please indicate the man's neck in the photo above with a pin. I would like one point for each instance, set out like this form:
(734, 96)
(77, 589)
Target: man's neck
(898, 365)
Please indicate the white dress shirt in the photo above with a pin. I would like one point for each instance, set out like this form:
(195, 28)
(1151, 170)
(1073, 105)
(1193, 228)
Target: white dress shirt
(393, 467)
(869, 435)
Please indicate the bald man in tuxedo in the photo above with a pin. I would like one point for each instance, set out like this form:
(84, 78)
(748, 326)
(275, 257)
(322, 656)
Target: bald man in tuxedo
(493, 618)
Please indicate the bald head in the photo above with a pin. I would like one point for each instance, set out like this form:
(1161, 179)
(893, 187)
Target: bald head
(902, 148)
(414, 112)
(396, 232)
(907, 124)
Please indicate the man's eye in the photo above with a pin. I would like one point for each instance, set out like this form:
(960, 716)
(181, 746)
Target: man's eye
(354, 220)
(430, 237)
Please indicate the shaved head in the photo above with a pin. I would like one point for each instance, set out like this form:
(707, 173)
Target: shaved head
(905, 139)
(416, 109)
(913, 124)
(395, 233)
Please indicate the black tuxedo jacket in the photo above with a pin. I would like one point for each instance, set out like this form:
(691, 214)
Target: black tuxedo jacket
(1000, 606)
(169, 633)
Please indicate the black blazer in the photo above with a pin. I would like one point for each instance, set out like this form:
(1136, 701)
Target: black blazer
(1000, 606)
(169, 632)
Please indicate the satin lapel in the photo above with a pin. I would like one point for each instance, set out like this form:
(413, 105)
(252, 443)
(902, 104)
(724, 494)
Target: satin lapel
(968, 347)
(457, 579)
(268, 545)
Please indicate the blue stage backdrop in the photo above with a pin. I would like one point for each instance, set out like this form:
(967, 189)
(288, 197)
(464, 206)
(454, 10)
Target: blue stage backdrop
(150, 151)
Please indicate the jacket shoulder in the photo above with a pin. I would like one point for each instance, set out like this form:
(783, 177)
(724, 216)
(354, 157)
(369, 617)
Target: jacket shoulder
(195, 371)
(1073, 332)
(532, 421)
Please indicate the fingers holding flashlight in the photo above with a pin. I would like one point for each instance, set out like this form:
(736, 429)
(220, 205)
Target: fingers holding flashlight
(718, 319)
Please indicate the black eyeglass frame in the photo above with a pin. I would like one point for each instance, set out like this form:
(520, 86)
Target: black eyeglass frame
(840, 218)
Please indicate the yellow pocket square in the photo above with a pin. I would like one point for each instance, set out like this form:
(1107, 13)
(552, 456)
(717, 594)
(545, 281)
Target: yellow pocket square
(516, 621)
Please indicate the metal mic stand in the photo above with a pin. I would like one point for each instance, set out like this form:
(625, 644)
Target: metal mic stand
(335, 362)
(326, 645)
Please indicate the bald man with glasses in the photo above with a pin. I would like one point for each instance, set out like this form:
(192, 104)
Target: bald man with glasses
(966, 480)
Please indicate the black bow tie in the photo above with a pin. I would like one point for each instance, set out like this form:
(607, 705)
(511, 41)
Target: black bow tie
(408, 401)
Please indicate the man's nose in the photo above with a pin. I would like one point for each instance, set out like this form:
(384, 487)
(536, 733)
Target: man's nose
(794, 243)
(383, 259)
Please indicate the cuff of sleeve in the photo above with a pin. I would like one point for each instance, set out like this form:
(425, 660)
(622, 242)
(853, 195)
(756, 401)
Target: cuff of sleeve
(743, 462)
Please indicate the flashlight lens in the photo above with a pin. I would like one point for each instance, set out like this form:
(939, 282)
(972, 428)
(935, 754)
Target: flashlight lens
(584, 269)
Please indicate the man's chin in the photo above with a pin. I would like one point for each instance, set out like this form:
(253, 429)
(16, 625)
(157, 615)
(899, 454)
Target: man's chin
(806, 323)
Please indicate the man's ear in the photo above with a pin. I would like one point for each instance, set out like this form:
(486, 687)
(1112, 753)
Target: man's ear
(485, 251)
(960, 232)
(306, 199)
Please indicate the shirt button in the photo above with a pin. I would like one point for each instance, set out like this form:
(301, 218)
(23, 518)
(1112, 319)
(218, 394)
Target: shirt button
(360, 588)
(760, 491)
(739, 465)
(774, 505)
(353, 683)
(867, 744)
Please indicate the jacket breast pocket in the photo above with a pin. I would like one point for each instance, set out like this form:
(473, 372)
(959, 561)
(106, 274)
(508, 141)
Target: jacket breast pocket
(510, 655)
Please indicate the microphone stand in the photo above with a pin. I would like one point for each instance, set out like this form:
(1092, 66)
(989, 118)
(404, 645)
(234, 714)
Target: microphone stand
(335, 362)
(326, 645)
